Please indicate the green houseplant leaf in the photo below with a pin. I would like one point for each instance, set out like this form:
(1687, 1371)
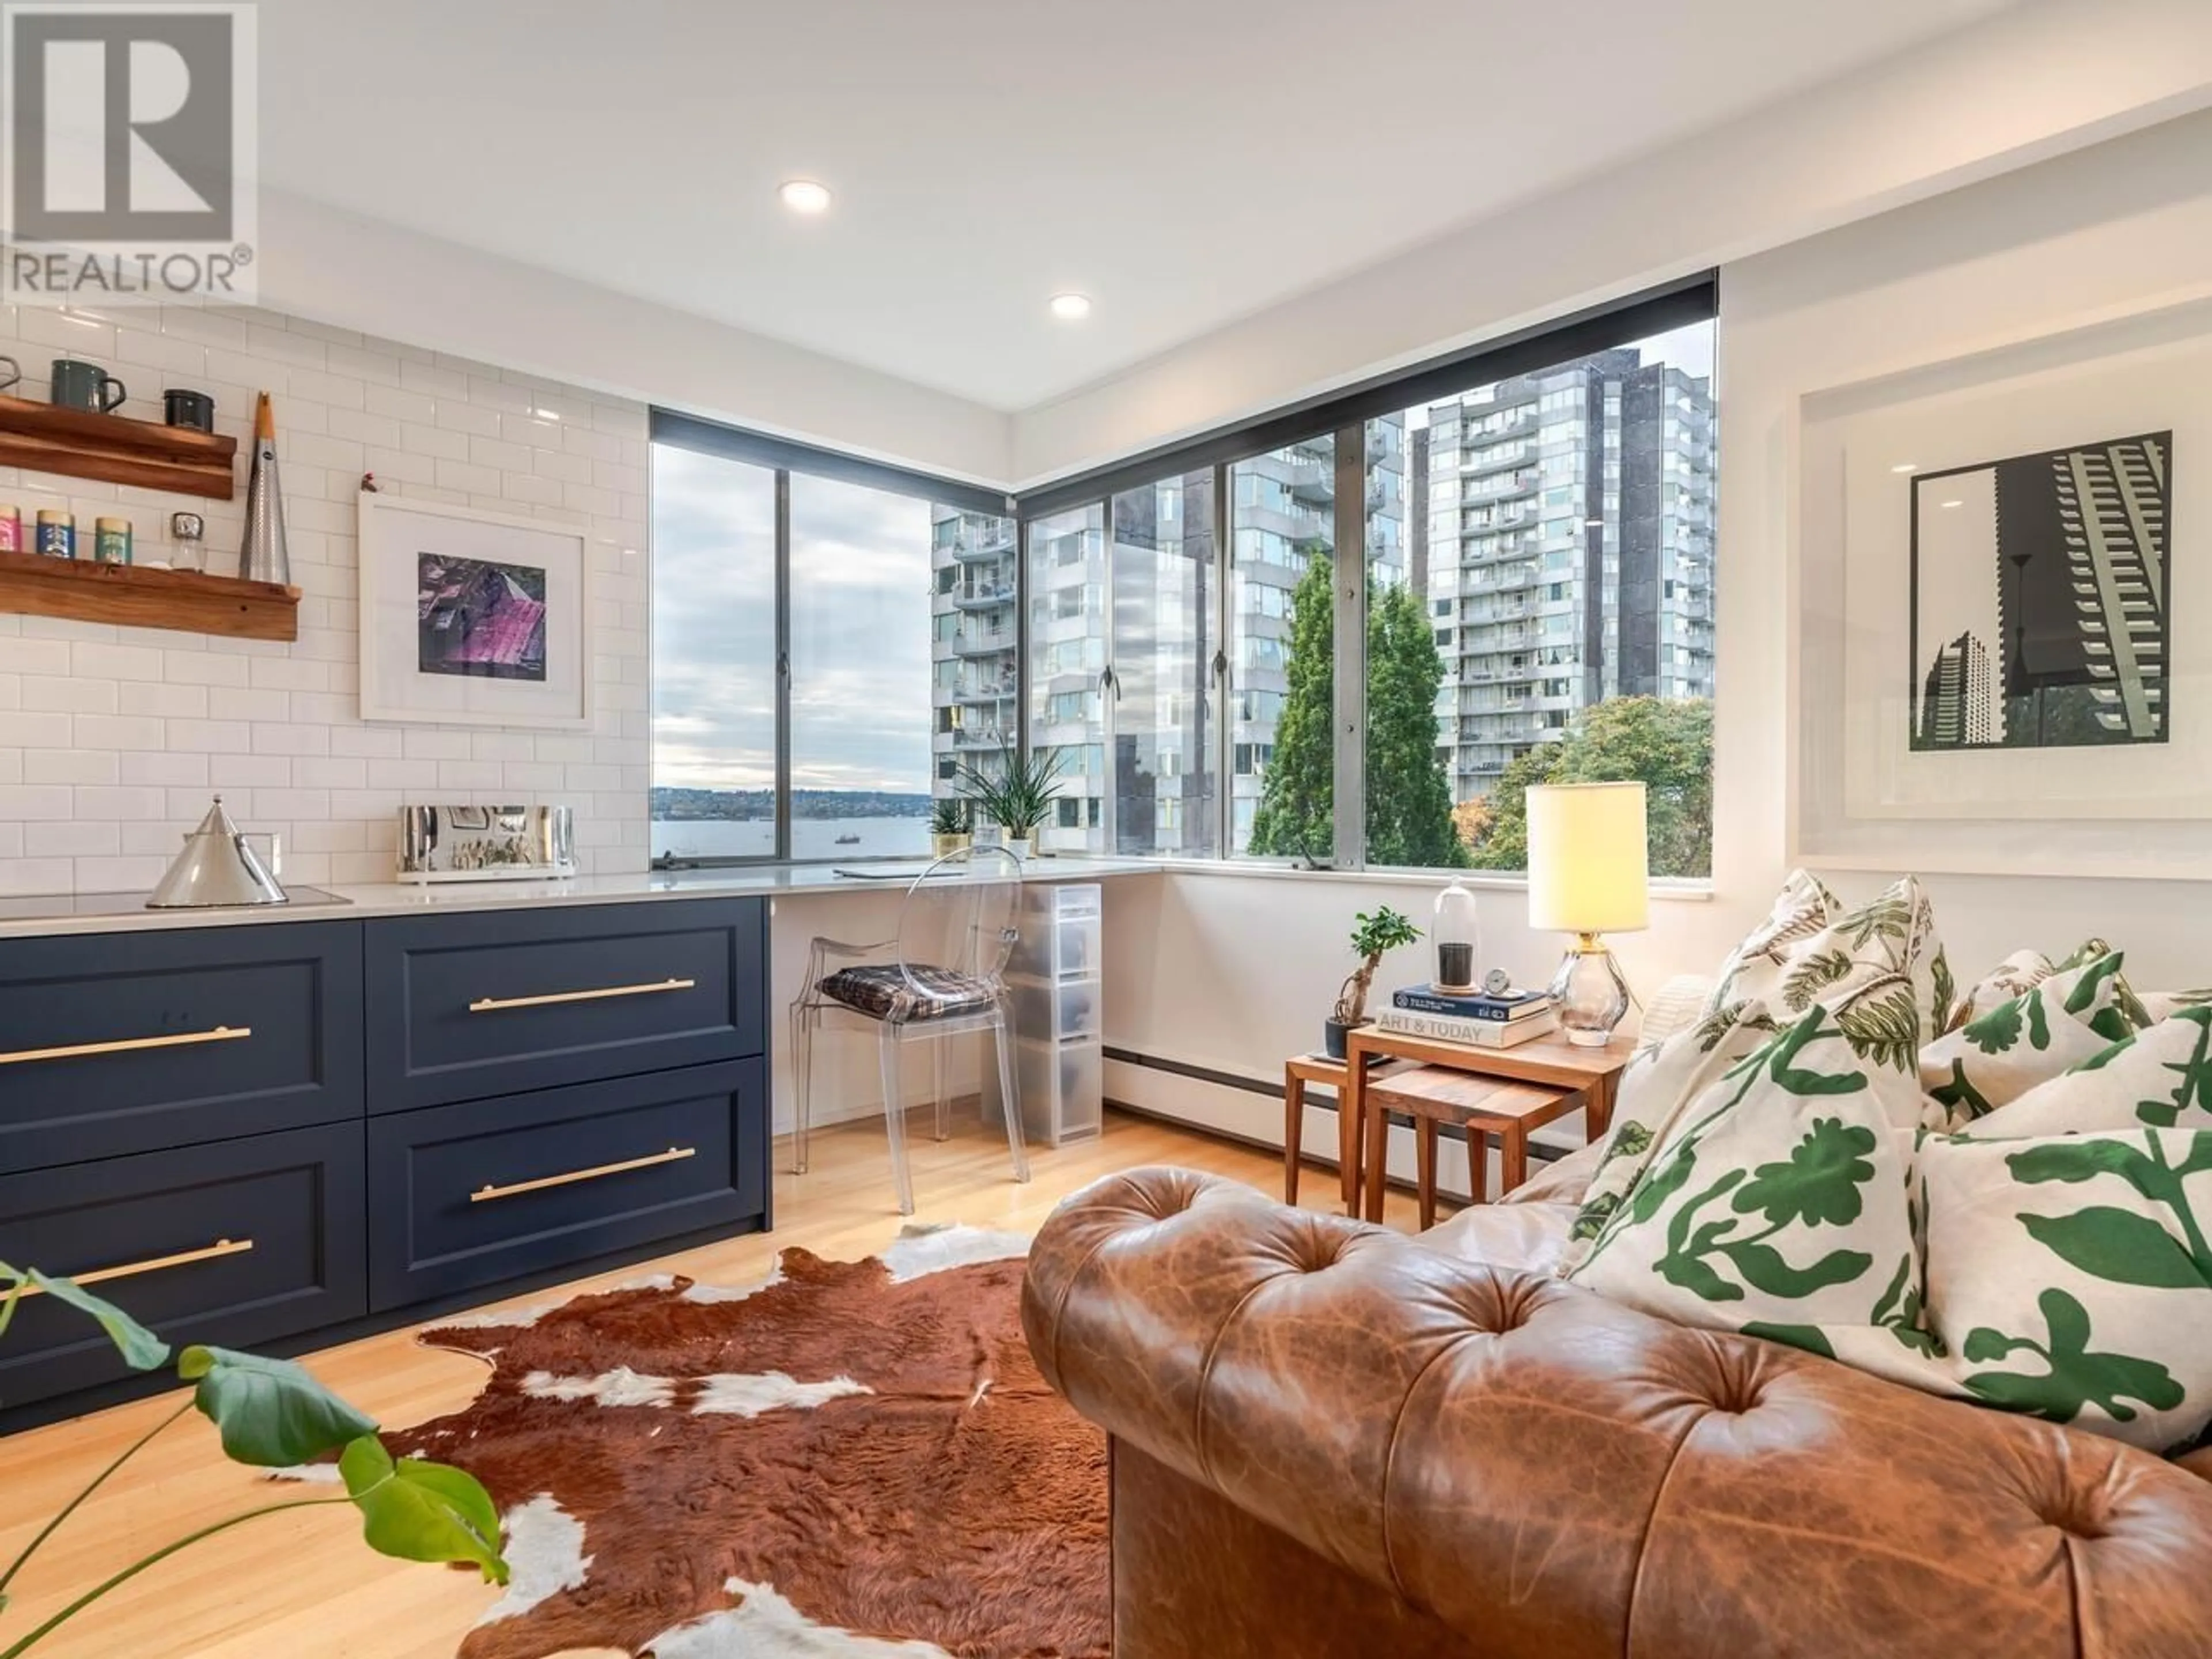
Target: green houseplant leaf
(271, 1413)
(140, 1349)
(415, 1510)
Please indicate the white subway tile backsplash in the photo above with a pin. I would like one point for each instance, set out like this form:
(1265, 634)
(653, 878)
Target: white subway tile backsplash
(69, 766)
(202, 668)
(250, 771)
(112, 738)
(112, 801)
(32, 656)
(117, 875)
(69, 838)
(180, 771)
(61, 693)
(19, 876)
(21, 730)
(437, 743)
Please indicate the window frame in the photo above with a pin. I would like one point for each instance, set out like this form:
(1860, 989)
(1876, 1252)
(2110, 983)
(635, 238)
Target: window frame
(783, 457)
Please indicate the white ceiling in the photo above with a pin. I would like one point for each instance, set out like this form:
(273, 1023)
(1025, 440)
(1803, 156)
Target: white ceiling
(1185, 162)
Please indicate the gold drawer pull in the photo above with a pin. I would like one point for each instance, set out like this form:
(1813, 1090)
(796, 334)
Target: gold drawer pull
(493, 1004)
(129, 1045)
(673, 1154)
(221, 1247)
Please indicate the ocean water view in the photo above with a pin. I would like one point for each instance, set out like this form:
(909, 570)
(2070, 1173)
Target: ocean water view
(811, 838)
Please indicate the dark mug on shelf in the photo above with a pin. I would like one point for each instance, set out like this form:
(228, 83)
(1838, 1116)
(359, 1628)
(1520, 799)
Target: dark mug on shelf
(11, 373)
(193, 410)
(86, 387)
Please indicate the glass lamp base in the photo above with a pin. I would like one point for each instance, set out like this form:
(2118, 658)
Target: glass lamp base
(1591, 994)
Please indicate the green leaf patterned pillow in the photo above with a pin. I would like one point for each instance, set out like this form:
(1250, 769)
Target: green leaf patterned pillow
(2164, 1005)
(1753, 970)
(1659, 1083)
(1998, 1056)
(2158, 1078)
(2018, 973)
(1782, 1206)
(1880, 970)
(2068, 1277)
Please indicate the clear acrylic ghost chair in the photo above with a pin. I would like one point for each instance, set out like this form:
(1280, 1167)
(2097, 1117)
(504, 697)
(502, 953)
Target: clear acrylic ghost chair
(947, 979)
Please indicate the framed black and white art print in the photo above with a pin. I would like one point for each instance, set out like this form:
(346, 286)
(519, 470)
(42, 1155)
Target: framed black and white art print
(2042, 598)
(2002, 561)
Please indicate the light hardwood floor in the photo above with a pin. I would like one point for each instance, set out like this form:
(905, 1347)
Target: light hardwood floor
(302, 1585)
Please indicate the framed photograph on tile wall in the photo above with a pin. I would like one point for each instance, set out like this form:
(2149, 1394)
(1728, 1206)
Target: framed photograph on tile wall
(2005, 573)
(471, 618)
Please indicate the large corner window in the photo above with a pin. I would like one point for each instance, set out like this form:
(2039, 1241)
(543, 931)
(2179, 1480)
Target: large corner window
(1350, 636)
(1439, 590)
(829, 641)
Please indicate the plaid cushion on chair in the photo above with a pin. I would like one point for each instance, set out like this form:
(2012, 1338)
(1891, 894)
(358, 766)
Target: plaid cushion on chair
(884, 991)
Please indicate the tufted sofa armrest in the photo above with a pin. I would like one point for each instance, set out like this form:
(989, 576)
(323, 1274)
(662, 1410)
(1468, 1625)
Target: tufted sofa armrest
(1547, 1472)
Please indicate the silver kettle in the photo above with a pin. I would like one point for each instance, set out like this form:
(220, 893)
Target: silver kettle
(218, 866)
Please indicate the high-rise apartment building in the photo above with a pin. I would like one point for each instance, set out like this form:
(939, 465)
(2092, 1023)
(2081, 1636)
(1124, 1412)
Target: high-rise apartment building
(975, 642)
(1569, 554)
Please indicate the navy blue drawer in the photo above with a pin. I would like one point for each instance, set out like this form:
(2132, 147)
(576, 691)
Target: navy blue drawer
(129, 1042)
(235, 1243)
(461, 1196)
(465, 1007)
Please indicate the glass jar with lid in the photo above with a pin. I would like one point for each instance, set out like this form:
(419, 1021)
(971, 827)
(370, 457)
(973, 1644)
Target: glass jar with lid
(1456, 934)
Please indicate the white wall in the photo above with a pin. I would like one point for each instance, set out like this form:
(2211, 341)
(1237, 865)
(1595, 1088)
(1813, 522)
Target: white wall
(2125, 227)
(112, 738)
(1234, 972)
(2027, 83)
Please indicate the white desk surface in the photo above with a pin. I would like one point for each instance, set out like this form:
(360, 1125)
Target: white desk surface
(415, 899)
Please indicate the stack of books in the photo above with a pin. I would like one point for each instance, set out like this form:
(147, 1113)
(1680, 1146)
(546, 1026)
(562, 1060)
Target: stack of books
(1476, 1019)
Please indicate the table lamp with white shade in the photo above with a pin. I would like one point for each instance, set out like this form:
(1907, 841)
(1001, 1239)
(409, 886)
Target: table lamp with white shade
(1589, 875)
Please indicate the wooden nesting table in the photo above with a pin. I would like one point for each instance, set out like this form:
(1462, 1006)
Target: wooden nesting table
(1505, 1092)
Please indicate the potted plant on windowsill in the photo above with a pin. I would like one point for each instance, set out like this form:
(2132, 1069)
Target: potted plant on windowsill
(1017, 794)
(949, 821)
(1371, 936)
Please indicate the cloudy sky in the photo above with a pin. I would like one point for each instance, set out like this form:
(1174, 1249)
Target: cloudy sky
(860, 705)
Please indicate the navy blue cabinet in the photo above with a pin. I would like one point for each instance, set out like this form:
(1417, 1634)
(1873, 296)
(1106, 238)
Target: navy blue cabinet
(469, 1006)
(234, 1243)
(118, 1043)
(275, 1133)
(462, 1196)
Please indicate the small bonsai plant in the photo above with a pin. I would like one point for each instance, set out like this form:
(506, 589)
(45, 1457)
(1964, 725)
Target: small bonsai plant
(1372, 935)
(1018, 794)
(270, 1414)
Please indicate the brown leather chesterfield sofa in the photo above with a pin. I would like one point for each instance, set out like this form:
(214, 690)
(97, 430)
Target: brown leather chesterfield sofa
(1331, 1440)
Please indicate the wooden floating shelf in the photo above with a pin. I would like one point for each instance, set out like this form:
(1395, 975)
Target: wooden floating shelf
(116, 449)
(135, 596)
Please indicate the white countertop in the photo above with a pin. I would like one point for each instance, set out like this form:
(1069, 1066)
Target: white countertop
(439, 898)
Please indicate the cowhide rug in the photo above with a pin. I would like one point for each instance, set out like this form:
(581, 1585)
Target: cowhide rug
(851, 1461)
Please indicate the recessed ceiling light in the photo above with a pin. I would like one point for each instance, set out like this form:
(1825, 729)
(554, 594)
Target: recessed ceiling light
(804, 196)
(1907, 466)
(1955, 503)
(1070, 307)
